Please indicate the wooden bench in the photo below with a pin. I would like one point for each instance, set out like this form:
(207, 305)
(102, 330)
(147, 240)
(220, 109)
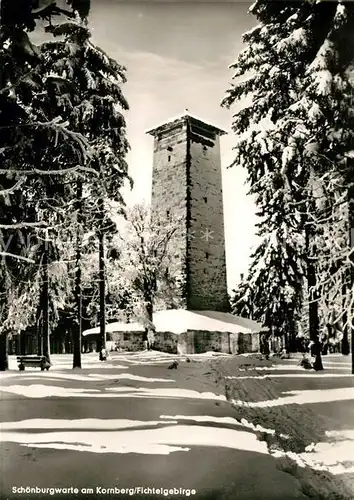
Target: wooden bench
(33, 360)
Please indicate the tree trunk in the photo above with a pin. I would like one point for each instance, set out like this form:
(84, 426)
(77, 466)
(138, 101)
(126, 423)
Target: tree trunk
(4, 356)
(345, 341)
(313, 299)
(351, 271)
(291, 341)
(45, 304)
(77, 338)
(22, 343)
(286, 341)
(149, 291)
(77, 334)
(149, 310)
(102, 337)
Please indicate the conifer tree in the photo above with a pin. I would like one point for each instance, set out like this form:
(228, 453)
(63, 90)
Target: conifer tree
(25, 134)
(295, 73)
(92, 105)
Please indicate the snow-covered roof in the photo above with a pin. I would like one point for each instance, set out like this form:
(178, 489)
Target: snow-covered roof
(116, 327)
(183, 117)
(180, 320)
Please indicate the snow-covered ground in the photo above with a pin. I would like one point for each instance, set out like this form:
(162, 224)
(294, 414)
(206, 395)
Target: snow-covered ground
(301, 398)
(82, 435)
(265, 393)
(46, 391)
(90, 360)
(278, 400)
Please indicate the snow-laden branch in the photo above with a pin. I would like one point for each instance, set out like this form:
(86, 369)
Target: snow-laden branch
(12, 189)
(17, 257)
(63, 171)
(59, 127)
(23, 225)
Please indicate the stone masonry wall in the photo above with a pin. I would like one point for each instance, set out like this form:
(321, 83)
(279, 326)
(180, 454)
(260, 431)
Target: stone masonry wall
(207, 260)
(169, 193)
(187, 184)
(190, 342)
(255, 343)
(166, 342)
(128, 341)
(198, 341)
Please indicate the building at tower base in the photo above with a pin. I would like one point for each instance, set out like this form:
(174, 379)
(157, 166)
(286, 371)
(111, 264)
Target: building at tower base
(180, 331)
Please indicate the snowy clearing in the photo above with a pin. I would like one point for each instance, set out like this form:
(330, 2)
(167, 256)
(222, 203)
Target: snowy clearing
(336, 457)
(223, 420)
(306, 374)
(302, 397)
(46, 391)
(281, 367)
(162, 441)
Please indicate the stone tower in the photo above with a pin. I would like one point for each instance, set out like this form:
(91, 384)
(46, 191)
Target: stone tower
(186, 183)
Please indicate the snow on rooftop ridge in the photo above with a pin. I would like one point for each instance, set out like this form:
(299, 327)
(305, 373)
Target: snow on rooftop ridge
(180, 320)
(184, 115)
(117, 326)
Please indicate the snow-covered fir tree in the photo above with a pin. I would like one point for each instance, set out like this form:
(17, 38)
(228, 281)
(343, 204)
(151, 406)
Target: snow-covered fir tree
(63, 105)
(93, 105)
(333, 264)
(25, 132)
(296, 69)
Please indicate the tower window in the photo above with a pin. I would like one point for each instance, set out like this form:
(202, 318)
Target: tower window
(205, 199)
(169, 157)
(206, 255)
(168, 214)
(170, 148)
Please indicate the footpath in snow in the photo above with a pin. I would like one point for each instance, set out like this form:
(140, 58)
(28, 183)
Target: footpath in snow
(306, 417)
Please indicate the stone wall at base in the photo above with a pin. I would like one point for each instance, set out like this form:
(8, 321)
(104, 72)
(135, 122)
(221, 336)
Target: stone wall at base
(166, 342)
(190, 342)
(128, 341)
(205, 341)
(186, 343)
(255, 342)
(199, 341)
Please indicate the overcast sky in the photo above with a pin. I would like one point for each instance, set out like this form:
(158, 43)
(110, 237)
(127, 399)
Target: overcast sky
(177, 55)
